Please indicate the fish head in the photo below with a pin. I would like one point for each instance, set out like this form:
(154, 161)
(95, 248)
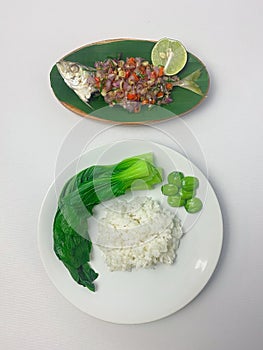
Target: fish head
(78, 77)
(69, 70)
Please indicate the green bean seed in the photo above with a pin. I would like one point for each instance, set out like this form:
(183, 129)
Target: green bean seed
(169, 189)
(187, 194)
(193, 205)
(176, 201)
(190, 183)
(175, 178)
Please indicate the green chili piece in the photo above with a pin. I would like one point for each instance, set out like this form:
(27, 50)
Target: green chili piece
(169, 189)
(187, 194)
(175, 178)
(193, 205)
(176, 201)
(189, 183)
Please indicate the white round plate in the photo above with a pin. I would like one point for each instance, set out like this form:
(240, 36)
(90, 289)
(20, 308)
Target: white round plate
(143, 295)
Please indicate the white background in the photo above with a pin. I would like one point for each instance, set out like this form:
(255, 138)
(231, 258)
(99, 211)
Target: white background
(227, 36)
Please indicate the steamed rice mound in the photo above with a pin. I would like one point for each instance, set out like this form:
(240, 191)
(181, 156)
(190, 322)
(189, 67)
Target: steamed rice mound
(138, 234)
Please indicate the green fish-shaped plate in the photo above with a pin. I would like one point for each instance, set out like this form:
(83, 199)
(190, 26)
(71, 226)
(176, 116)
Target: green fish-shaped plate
(184, 100)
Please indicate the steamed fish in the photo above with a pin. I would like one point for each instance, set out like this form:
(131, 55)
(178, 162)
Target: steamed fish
(129, 83)
(79, 78)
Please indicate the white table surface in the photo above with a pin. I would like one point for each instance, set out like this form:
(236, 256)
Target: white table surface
(227, 36)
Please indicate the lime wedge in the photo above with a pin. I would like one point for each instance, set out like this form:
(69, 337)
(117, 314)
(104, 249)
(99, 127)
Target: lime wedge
(170, 54)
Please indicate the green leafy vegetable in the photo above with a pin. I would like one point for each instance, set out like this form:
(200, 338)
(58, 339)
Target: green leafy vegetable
(81, 194)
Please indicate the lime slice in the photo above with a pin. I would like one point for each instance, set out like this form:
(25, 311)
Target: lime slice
(170, 54)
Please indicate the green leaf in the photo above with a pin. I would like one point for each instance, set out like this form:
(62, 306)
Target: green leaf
(89, 272)
(73, 271)
(69, 245)
(86, 276)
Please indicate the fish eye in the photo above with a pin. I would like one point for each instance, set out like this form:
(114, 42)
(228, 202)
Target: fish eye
(74, 68)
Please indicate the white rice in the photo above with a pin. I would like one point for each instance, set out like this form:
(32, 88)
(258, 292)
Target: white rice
(138, 234)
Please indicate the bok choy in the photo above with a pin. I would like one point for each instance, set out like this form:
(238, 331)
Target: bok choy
(81, 194)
